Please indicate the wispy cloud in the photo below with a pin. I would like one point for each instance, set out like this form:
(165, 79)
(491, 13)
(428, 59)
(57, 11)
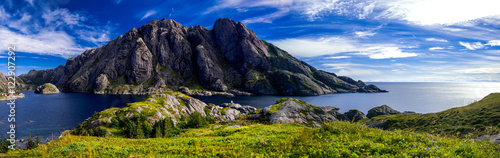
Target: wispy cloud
(472, 46)
(267, 18)
(436, 40)
(308, 47)
(338, 57)
(331, 45)
(493, 43)
(364, 33)
(46, 42)
(386, 53)
(148, 14)
(47, 31)
(436, 48)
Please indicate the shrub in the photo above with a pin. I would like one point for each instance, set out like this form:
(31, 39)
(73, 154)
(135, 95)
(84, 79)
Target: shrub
(32, 144)
(115, 122)
(4, 145)
(100, 132)
(196, 120)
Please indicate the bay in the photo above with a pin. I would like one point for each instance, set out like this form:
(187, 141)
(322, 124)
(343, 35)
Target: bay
(54, 113)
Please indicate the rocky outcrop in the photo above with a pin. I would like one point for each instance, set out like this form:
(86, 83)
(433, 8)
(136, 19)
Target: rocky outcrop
(494, 138)
(173, 105)
(354, 115)
(164, 54)
(381, 110)
(289, 110)
(19, 84)
(47, 88)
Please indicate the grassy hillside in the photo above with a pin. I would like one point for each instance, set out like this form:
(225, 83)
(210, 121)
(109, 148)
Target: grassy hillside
(479, 118)
(337, 139)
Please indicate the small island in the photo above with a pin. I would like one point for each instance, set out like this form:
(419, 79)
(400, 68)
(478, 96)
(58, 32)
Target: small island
(47, 88)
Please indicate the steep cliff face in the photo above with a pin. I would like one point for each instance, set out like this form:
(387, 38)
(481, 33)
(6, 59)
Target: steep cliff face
(164, 54)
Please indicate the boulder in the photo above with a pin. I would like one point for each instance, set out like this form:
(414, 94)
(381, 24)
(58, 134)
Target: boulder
(354, 115)
(296, 111)
(381, 110)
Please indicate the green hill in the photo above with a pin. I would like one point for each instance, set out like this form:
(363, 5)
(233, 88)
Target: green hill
(479, 118)
(336, 139)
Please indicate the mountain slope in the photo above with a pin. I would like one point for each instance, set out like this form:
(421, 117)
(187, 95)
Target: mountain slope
(164, 54)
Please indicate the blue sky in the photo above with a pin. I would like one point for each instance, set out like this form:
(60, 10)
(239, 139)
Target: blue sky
(386, 40)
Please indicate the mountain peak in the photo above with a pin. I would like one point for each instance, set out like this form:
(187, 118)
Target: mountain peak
(163, 54)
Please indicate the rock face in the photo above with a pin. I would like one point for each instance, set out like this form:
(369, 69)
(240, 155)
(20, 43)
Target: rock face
(47, 88)
(4, 84)
(290, 110)
(164, 54)
(381, 110)
(354, 115)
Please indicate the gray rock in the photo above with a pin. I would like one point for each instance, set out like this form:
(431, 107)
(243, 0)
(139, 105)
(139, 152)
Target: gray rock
(243, 109)
(295, 111)
(354, 115)
(381, 110)
(233, 126)
(492, 138)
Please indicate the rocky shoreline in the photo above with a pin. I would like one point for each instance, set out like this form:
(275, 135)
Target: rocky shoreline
(12, 97)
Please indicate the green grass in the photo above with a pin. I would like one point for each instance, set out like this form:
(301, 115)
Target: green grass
(337, 139)
(479, 118)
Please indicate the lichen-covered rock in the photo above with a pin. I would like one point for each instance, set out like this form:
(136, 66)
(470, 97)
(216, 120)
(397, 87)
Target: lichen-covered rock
(47, 88)
(381, 110)
(289, 110)
(354, 115)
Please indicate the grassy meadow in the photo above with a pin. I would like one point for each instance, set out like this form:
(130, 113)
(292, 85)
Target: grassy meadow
(335, 139)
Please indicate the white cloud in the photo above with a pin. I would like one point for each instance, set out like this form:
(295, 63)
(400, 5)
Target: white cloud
(429, 12)
(358, 72)
(61, 16)
(472, 46)
(243, 5)
(436, 40)
(148, 14)
(267, 18)
(307, 47)
(452, 29)
(493, 43)
(3, 14)
(436, 48)
(482, 70)
(47, 42)
(364, 33)
(316, 47)
(57, 32)
(386, 53)
(30, 2)
(338, 57)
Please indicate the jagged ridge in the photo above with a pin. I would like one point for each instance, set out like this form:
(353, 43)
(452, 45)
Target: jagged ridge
(164, 54)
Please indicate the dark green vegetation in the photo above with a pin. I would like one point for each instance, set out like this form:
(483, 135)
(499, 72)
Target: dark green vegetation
(479, 118)
(336, 139)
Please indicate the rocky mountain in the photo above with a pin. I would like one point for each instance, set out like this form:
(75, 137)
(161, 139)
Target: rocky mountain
(4, 84)
(164, 54)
